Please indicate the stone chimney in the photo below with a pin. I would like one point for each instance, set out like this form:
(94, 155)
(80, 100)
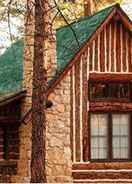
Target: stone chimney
(50, 47)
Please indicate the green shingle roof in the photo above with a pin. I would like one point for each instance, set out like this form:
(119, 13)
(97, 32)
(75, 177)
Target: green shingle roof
(11, 68)
(69, 40)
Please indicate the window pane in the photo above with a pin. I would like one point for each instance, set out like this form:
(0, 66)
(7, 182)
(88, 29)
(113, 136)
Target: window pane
(120, 122)
(94, 153)
(99, 124)
(98, 90)
(102, 153)
(120, 136)
(98, 142)
(99, 136)
(124, 153)
(120, 153)
(123, 141)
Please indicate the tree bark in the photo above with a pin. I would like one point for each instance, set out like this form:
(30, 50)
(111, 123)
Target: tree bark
(87, 8)
(38, 97)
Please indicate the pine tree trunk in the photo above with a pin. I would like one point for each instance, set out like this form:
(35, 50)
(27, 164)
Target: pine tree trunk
(87, 7)
(38, 97)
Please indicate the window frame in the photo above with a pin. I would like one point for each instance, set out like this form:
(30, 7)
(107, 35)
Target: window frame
(110, 137)
(110, 99)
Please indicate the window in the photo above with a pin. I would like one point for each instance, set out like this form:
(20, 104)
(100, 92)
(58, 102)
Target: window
(113, 91)
(110, 136)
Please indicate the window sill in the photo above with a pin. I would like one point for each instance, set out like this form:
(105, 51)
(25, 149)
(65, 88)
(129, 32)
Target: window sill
(8, 167)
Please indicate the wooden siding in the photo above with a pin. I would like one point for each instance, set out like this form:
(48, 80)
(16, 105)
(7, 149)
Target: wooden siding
(109, 54)
(79, 106)
(111, 51)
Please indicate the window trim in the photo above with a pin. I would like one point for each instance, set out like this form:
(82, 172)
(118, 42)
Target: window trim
(110, 127)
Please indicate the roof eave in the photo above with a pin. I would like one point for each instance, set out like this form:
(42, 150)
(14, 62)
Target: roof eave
(12, 97)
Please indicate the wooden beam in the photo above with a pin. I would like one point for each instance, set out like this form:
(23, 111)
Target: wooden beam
(10, 98)
(102, 175)
(111, 106)
(102, 165)
(110, 77)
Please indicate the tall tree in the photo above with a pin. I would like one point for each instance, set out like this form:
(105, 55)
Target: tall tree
(38, 97)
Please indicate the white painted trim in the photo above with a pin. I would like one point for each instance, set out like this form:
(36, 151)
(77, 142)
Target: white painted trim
(82, 162)
(105, 50)
(114, 49)
(127, 50)
(74, 115)
(103, 180)
(101, 170)
(88, 65)
(99, 52)
(93, 56)
(121, 40)
(111, 72)
(81, 136)
(110, 28)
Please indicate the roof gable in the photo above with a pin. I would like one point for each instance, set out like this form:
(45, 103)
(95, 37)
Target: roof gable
(103, 18)
(71, 41)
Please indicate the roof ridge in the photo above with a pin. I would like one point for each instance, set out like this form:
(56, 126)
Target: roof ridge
(88, 17)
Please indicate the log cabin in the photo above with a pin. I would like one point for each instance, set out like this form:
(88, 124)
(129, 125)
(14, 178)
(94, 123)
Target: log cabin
(89, 125)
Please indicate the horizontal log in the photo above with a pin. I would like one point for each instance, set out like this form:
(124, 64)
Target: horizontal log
(13, 156)
(102, 175)
(111, 106)
(97, 166)
(1, 149)
(110, 77)
(8, 167)
(14, 141)
(13, 149)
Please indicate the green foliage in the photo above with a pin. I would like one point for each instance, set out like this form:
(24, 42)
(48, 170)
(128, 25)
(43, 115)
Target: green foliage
(72, 10)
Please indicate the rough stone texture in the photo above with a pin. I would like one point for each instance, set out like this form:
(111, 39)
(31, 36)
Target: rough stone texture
(58, 151)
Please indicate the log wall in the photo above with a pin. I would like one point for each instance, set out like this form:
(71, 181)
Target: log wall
(110, 54)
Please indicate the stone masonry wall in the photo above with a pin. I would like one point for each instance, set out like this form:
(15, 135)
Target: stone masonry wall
(58, 151)
(58, 148)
